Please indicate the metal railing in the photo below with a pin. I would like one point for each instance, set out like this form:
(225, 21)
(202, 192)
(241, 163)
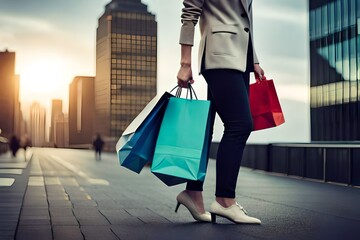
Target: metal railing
(329, 162)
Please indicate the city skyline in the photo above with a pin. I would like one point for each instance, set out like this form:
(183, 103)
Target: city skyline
(285, 61)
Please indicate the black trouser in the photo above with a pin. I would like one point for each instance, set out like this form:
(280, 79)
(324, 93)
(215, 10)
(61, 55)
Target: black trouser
(228, 93)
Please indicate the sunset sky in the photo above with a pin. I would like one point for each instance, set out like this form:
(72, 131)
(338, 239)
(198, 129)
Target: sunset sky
(55, 40)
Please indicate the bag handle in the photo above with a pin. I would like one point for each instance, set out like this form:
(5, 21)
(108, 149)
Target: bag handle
(258, 80)
(190, 91)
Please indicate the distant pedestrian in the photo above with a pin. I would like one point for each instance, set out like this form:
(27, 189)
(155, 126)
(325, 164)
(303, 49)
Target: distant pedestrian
(14, 145)
(25, 144)
(98, 144)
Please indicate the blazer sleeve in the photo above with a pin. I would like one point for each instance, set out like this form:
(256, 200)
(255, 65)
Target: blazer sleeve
(256, 60)
(189, 18)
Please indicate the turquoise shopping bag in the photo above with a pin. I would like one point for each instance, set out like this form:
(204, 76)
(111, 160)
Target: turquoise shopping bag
(181, 151)
(136, 146)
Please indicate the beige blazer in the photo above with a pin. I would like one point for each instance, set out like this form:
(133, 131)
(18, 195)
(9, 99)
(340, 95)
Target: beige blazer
(225, 26)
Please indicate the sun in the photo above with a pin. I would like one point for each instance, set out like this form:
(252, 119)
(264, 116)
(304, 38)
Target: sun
(42, 76)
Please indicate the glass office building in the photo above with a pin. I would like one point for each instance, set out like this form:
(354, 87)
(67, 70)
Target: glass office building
(334, 69)
(9, 95)
(126, 66)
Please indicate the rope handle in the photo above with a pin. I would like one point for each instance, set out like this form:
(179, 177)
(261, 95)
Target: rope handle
(190, 91)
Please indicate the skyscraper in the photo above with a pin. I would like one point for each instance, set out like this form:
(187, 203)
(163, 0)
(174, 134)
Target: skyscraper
(335, 69)
(81, 112)
(126, 66)
(9, 94)
(37, 125)
(61, 131)
(56, 115)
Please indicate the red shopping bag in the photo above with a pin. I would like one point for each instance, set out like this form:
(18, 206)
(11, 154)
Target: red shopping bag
(264, 104)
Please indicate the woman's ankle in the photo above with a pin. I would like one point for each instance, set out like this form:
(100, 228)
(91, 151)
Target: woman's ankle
(197, 198)
(225, 202)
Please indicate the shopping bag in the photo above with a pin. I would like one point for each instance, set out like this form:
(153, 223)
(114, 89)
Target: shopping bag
(181, 150)
(265, 106)
(136, 146)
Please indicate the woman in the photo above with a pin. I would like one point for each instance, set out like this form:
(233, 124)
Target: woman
(226, 58)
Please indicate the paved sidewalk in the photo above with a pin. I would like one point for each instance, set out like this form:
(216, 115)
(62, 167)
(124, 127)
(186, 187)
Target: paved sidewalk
(13, 182)
(66, 194)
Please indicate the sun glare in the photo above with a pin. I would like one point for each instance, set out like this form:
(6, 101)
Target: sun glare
(42, 76)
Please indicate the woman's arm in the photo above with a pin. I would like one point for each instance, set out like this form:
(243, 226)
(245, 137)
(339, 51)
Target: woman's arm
(189, 18)
(185, 71)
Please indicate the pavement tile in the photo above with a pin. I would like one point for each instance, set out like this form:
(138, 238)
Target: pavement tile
(10, 211)
(90, 216)
(64, 221)
(7, 235)
(5, 172)
(92, 221)
(35, 217)
(84, 203)
(79, 196)
(54, 188)
(36, 190)
(10, 205)
(8, 224)
(50, 181)
(39, 221)
(13, 165)
(99, 195)
(120, 217)
(67, 233)
(58, 197)
(29, 211)
(42, 232)
(60, 211)
(147, 216)
(96, 233)
(85, 211)
(60, 203)
(108, 204)
(35, 203)
(34, 211)
(69, 182)
(6, 182)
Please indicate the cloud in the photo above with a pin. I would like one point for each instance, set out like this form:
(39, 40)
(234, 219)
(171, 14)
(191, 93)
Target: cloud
(288, 15)
(282, 10)
(21, 23)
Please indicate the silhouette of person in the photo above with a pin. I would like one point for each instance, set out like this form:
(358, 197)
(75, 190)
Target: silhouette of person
(14, 145)
(98, 144)
(25, 144)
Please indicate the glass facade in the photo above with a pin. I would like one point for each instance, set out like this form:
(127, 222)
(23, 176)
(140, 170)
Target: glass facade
(126, 65)
(334, 69)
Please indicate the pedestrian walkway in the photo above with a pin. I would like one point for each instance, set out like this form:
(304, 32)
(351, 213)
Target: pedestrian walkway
(13, 181)
(66, 194)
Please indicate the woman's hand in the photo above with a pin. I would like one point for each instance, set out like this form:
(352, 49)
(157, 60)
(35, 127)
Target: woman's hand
(185, 76)
(259, 72)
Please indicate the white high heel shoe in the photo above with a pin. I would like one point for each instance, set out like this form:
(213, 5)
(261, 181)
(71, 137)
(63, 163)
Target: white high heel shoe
(184, 199)
(234, 213)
